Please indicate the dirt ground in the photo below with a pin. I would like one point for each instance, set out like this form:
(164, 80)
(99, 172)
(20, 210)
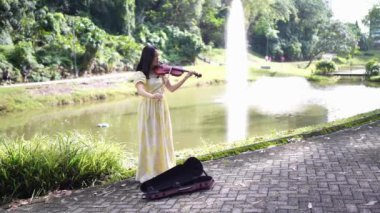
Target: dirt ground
(69, 85)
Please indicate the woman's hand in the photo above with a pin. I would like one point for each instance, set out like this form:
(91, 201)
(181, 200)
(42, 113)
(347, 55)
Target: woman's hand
(189, 74)
(157, 96)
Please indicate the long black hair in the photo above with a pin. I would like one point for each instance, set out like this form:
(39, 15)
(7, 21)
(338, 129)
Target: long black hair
(146, 59)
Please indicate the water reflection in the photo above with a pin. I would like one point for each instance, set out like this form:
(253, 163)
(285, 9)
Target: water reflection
(199, 114)
(276, 96)
(273, 96)
(346, 101)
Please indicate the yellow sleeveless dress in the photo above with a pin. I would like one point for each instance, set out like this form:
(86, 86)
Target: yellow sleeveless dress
(155, 138)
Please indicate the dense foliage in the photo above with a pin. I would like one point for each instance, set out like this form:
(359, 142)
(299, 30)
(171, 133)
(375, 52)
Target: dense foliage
(56, 45)
(325, 67)
(66, 38)
(372, 21)
(372, 68)
(64, 161)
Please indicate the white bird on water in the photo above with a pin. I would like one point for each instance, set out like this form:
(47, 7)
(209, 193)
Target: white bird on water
(103, 125)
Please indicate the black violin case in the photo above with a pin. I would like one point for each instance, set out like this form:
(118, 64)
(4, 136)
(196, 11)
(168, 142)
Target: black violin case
(185, 178)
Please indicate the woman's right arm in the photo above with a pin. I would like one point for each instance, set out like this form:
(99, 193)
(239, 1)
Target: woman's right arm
(141, 91)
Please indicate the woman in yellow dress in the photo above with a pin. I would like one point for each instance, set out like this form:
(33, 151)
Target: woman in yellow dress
(155, 138)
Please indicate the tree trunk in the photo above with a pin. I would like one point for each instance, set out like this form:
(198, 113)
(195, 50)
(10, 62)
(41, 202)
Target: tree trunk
(311, 59)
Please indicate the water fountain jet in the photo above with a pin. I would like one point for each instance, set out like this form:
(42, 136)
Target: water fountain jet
(237, 73)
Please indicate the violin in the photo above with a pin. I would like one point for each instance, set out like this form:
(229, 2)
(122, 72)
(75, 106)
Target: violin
(163, 69)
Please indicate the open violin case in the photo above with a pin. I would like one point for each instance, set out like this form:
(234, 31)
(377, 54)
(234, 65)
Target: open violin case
(185, 178)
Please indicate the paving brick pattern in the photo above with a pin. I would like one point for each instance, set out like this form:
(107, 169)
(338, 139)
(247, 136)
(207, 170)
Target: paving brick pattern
(339, 172)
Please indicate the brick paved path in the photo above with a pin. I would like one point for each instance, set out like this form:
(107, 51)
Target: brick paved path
(332, 173)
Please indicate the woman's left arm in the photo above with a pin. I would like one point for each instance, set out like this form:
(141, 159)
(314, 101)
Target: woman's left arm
(174, 87)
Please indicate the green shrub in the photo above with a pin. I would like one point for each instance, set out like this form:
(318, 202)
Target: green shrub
(325, 67)
(23, 53)
(5, 65)
(64, 161)
(372, 68)
(5, 38)
(182, 46)
(178, 46)
(293, 50)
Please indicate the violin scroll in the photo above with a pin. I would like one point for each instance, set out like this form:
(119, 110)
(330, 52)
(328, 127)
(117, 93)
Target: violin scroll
(198, 75)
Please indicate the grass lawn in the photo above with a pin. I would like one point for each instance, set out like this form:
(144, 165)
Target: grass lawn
(215, 69)
(358, 61)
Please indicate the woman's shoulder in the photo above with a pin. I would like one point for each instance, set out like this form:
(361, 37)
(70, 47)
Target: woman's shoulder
(139, 76)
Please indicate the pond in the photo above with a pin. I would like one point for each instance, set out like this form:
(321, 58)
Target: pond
(199, 114)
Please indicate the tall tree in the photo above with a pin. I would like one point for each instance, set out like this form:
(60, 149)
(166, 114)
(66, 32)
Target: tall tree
(212, 23)
(372, 20)
(116, 16)
(298, 33)
(184, 14)
(142, 9)
(263, 16)
(12, 15)
(333, 37)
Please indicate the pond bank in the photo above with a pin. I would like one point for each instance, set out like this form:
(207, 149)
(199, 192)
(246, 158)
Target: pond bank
(40, 95)
(30, 96)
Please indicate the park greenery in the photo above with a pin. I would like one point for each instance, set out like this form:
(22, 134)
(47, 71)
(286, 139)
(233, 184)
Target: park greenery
(66, 39)
(325, 67)
(49, 40)
(372, 68)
